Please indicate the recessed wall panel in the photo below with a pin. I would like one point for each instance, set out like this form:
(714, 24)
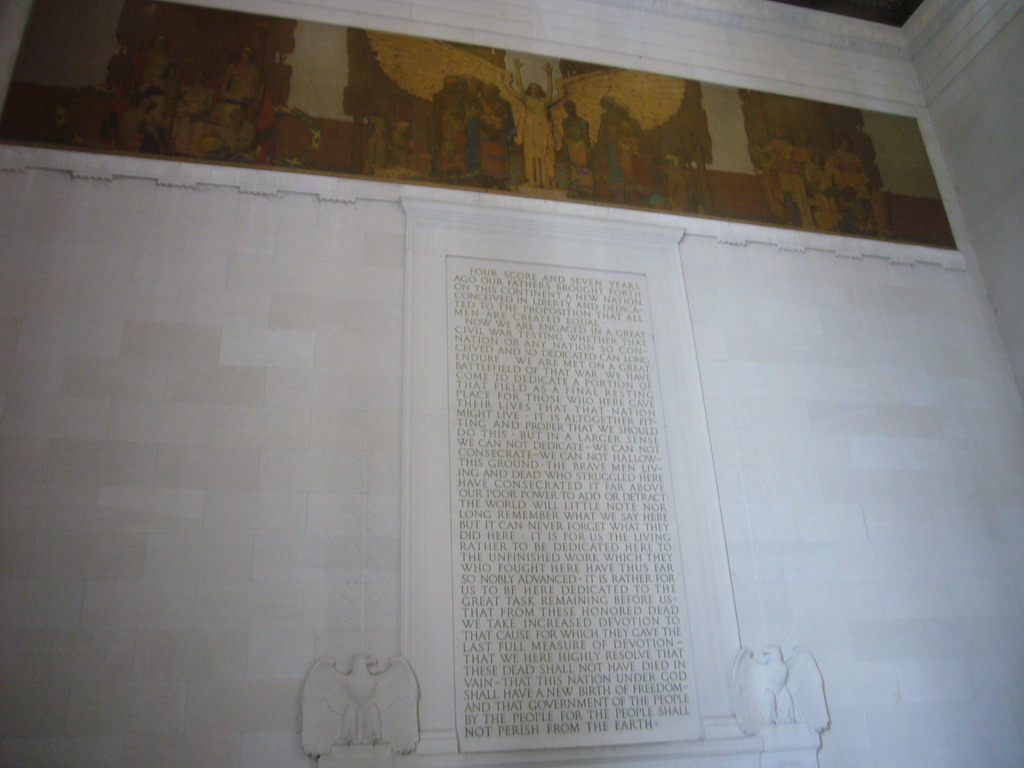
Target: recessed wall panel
(570, 623)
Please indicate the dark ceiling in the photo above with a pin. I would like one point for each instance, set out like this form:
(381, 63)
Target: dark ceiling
(892, 12)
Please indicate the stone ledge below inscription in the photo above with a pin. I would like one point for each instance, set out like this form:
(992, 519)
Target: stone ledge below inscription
(358, 756)
(776, 746)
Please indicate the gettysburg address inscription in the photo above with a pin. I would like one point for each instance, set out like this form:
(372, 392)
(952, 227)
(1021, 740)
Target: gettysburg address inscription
(570, 623)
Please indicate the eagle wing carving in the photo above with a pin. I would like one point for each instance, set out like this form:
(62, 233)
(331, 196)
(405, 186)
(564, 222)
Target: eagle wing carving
(368, 704)
(767, 689)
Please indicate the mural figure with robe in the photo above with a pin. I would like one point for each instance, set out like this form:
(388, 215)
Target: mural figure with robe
(535, 131)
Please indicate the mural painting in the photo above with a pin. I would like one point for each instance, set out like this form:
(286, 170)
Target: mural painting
(202, 84)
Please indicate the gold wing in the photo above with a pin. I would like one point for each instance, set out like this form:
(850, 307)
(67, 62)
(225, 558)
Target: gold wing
(651, 99)
(419, 65)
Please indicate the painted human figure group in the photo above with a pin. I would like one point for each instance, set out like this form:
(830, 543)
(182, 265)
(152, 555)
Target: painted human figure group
(473, 132)
(515, 139)
(498, 132)
(830, 191)
(166, 111)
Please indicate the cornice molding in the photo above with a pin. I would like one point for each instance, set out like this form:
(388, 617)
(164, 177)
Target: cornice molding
(784, 22)
(939, 15)
(946, 36)
(774, 19)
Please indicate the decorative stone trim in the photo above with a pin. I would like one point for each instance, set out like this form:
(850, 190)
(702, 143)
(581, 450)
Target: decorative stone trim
(738, 242)
(581, 218)
(791, 248)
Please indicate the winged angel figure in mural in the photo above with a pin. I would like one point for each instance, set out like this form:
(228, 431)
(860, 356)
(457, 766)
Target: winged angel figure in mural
(769, 689)
(368, 705)
(480, 108)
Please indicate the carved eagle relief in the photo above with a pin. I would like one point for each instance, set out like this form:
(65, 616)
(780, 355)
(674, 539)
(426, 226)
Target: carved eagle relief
(367, 705)
(767, 689)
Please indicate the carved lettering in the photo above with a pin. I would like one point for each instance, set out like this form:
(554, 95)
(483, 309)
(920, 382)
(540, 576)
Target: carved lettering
(570, 625)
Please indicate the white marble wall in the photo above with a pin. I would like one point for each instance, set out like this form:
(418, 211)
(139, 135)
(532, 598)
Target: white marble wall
(969, 54)
(200, 432)
(200, 464)
(868, 447)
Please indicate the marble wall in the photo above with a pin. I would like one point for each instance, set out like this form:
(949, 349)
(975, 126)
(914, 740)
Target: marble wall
(867, 449)
(201, 378)
(968, 55)
(200, 437)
